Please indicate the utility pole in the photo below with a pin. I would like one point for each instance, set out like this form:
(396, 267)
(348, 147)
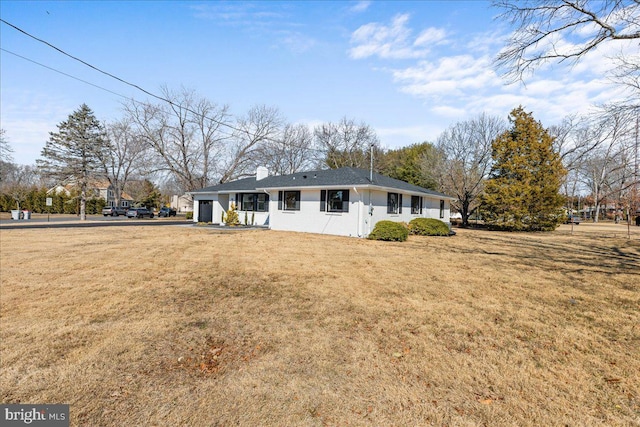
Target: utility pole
(371, 166)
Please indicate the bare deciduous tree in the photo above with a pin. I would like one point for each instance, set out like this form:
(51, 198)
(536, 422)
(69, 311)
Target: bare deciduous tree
(187, 135)
(126, 157)
(467, 150)
(566, 30)
(5, 148)
(259, 126)
(291, 151)
(346, 143)
(608, 169)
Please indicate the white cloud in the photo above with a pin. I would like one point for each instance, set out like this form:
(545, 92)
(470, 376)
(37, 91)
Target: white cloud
(450, 112)
(463, 82)
(486, 43)
(393, 41)
(447, 77)
(403, 136)
(28, 118)
(430, 36)
(360, 6)
(296, 42)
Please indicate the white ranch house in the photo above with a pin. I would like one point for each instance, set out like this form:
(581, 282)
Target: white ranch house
(344, 202)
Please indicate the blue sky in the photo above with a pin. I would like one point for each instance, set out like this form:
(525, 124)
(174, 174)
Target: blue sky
(408, 69)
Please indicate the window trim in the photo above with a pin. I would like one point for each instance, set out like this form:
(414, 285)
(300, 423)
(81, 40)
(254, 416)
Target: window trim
(398, 207)
(325, 200)
(416, 210)
(255, 200)
(282, 200)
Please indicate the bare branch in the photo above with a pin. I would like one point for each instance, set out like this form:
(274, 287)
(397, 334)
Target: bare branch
(560, 30)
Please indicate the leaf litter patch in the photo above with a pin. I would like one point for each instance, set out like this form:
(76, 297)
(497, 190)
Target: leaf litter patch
(214, 355)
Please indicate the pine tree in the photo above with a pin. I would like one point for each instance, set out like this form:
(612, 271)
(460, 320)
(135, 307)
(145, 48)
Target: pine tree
(74, 152)
(522, 192)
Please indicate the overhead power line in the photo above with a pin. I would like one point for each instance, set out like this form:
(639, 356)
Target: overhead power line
(161, 98)
(62, 72)
(83, 62)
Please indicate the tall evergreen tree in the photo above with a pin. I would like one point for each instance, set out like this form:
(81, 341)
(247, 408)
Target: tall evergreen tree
(74, 152)
(522, 192)
(414, 164)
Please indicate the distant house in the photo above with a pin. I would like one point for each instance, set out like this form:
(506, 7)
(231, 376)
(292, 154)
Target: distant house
(182, 203)
(345, 202)
(98, 189)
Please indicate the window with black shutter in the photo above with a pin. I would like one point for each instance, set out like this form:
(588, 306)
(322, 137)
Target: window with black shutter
(253, 202)
(392, 203)
(416, 205)
(338, 200)
(291, 200)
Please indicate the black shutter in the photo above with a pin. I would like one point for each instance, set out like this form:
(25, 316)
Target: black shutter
(323, 200)
(399, 203)
(421, 202)
(345, 200)
(238, 206)
(280, 195)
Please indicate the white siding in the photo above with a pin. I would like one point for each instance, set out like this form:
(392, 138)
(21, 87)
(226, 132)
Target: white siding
(311, 220)
(357, 222)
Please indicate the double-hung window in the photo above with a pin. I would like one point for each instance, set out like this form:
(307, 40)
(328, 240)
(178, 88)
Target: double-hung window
(289, 200)
(334, 200)
(254, 202)
(394, 203)
(416, 205)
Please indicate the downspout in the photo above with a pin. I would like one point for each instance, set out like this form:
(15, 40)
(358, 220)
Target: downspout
(269, 208)
(359, 212)
(370, 214)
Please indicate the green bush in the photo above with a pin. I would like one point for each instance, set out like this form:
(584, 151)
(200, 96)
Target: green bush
(188, 215)
(428, 227)
(389, 231)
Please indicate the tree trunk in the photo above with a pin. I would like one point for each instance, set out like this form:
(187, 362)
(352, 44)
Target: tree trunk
(465, 213)
(83, 202)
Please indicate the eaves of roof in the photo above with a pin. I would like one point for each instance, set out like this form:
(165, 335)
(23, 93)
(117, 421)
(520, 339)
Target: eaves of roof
(343, 177)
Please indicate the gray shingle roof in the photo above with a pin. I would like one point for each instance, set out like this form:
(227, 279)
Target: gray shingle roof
(245, 184)
(343, 177)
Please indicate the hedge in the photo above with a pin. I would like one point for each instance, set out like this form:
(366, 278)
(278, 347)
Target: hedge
(428, 227)
(389, 231)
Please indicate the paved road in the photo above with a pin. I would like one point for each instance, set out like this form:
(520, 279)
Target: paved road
(70, 221)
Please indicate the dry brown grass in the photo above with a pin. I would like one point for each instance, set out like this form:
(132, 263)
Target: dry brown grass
(191, 326)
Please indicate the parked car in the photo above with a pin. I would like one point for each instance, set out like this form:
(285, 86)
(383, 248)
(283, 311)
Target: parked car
(114, 211)
(167, 212)
(573, 220)
(139, 213)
